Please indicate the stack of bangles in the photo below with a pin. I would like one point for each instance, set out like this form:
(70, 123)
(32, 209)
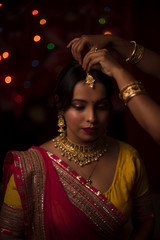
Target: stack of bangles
(137, 53)
(131, 90)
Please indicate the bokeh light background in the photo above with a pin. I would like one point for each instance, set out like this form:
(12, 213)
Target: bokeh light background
(33, 39)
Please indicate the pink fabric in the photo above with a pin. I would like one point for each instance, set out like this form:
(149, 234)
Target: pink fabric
(62, 219)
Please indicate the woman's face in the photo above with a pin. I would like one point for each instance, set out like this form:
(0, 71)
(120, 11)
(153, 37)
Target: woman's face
(87, 117)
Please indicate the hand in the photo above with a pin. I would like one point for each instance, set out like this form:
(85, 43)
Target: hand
(100, 59)
(92, 41)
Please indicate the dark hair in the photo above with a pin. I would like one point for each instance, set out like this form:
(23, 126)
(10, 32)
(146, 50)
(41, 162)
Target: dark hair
(70, 76)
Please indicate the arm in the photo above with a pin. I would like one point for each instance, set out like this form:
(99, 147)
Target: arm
(150, 62)
(143, 108)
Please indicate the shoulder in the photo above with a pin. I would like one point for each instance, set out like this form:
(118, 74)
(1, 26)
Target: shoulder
(49, 146)
(123, 148)
(128, 150)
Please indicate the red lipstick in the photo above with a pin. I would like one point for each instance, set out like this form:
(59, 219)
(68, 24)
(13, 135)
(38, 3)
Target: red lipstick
(89, 130)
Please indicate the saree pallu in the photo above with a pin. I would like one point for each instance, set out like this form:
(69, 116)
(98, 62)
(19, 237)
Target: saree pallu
(56, 202)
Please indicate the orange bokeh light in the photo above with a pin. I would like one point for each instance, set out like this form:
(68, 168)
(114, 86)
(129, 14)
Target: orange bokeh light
(8, 79)
(37, 38)
(1, 4)
(43, 21)
(35, 12)
(5, 54)
(107, 33)
(0, 57)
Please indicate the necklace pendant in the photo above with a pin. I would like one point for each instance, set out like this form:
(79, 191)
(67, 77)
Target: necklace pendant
(88, 182)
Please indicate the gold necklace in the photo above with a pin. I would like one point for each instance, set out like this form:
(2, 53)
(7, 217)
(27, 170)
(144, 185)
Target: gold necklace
(81, 154)
(88, 180)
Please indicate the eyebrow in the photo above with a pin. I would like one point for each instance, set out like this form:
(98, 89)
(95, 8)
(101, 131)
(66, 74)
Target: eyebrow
(82, 100)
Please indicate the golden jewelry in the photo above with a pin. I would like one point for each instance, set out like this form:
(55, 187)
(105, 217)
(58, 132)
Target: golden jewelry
(137, 53)
(81, 154)
(133, 52)
(90, 80)
(88, 180)
(61, 123)
(131, 90)
(95, 50)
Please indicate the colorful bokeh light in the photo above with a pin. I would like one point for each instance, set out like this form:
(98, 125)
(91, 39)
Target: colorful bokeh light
(35, 12)
(18, 99)
(102, 20)
(35, 63)
(50, 46)
(42, 21)
(8, 79)
(107, 33)
(5, 55)
(37, 38)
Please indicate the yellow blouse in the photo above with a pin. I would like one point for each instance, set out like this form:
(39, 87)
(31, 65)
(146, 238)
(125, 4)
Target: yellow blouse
(130, 181)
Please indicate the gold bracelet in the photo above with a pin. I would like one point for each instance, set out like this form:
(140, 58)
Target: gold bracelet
(127, 86)
(138, 54)
(133, 52)
(131, 90)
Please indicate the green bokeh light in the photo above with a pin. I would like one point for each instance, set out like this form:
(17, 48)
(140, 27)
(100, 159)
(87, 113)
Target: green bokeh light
(50, 46)
(102, 20)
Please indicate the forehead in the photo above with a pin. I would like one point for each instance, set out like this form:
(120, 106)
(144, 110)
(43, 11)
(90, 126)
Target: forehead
(83, 91)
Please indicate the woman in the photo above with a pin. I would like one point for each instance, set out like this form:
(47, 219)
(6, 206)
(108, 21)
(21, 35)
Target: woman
(143, 108)
(82, 184)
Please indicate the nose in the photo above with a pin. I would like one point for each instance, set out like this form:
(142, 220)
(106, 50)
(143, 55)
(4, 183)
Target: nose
(91, 115)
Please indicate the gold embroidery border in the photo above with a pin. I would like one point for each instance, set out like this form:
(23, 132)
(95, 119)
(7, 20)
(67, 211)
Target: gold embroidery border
(9, 220)
(32, 177)
(99, 210)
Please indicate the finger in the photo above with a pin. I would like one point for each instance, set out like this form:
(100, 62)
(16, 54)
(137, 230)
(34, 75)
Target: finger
(71, 42)
(76, 51)
(87, 58)
(77, 48)
(94, 61)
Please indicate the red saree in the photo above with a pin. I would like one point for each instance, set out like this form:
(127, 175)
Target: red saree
(57, 203)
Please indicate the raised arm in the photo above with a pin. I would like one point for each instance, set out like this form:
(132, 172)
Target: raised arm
(150, 62)
(143, 108)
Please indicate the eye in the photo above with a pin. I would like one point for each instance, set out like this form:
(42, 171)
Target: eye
(102, 106)
(78, 107)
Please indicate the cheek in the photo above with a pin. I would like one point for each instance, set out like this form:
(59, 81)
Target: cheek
(104, 118)
(71, 117)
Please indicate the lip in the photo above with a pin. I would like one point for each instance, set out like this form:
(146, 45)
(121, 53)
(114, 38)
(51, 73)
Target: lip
(89, 130)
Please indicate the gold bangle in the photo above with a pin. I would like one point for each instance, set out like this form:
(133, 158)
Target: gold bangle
(125, 87)
(138, 54)
(133, 52)
(131, 90)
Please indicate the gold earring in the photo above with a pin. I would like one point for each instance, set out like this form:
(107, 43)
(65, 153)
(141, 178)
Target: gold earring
(61, 123)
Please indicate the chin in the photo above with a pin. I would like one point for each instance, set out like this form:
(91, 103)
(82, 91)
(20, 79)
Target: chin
(89, 138)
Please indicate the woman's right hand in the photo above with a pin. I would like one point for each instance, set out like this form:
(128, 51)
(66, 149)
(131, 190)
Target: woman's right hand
(101, 59)
(92, 41)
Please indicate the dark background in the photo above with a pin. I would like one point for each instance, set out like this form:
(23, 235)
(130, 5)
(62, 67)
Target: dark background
(32, 121)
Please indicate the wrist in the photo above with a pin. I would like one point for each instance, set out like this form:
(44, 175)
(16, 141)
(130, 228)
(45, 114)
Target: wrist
(122, 77)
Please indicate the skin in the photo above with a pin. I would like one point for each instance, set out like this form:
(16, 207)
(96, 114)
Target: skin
(91, 113)
(143, 108)
(90, 107)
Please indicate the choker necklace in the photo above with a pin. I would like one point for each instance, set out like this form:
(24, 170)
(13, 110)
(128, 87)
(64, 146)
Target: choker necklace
(81, 154)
